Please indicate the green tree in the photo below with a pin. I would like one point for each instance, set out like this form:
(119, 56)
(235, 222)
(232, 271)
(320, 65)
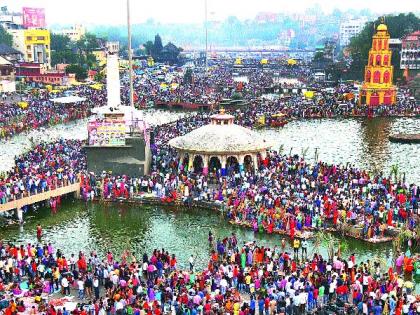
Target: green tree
(398, 26)
(157, 47)
(5, 37)
(59, 42)
(414, 86)
(148, 47)
(61, 50)
(79, 71)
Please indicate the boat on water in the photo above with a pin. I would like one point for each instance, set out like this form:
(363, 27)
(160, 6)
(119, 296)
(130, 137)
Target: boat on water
(275, 120)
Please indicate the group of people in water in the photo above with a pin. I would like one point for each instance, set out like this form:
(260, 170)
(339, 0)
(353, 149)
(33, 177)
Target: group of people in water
(239, 279)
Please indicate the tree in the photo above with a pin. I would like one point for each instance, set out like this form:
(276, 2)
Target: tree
(79, 71)
(5, 37)
(61, 50)
(148, 47)
(59, 42)
(157, 47)
(188, 76)
(414, 86)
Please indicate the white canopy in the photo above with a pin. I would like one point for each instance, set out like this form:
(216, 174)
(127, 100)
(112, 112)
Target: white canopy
(68, 99)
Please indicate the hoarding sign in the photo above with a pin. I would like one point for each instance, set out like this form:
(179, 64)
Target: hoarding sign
(33, 17)
(106, 133)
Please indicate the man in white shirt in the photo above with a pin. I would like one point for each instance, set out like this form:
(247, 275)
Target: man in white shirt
(96, 287)
(65, 286)
(81, 287)
(223, 285)
(191, 262)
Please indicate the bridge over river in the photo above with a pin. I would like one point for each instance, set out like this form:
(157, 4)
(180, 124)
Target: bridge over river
(38, 197)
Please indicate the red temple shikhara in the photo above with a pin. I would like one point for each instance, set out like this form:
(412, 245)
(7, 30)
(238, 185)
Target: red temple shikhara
(377, 87)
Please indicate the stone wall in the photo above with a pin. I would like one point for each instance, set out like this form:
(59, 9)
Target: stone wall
(132, 159)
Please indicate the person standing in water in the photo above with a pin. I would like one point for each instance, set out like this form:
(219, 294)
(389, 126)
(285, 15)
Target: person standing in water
(38, 231)
(210, 239)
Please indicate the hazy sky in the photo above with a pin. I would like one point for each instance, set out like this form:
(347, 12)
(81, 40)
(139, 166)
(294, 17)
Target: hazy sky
(114, 11)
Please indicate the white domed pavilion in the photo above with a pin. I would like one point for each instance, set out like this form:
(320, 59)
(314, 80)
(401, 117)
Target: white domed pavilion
(220, 144)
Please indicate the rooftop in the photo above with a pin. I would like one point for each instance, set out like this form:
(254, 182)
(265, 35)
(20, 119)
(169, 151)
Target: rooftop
(220, 139)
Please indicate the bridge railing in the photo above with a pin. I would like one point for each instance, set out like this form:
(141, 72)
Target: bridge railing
(59, 188)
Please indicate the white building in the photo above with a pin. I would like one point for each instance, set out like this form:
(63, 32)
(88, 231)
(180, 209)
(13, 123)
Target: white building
(74, 33)
(350, 28)
(410, 51)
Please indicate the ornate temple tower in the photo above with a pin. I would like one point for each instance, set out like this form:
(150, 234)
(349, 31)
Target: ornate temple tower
(377, 87)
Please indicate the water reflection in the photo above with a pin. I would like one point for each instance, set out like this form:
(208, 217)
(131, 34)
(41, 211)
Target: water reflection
(375, 133)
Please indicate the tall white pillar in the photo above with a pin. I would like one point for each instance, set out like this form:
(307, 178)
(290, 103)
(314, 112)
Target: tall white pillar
(113, 80)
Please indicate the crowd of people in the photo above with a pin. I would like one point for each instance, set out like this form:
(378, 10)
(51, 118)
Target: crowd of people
(239, 279)
(45, 167)
(170, 85)
(39, 110)
(284, 194)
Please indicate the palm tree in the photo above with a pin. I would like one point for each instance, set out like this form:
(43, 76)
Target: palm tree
(394, 172)
(304, 151)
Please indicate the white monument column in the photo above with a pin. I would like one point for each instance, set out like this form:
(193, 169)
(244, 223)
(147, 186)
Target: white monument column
(113, 79)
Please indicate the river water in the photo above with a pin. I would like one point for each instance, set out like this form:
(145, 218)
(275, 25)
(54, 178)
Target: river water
(117, 227)
(360, 141)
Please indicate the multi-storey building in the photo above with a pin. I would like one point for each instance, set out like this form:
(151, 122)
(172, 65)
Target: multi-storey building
(75, 32)
(410, 51)
(34, 44)
(349, 29)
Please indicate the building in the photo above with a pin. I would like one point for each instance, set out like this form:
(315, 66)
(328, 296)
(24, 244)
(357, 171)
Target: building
(377, 88)
(10, 53)
(7, 76)
(35, 72)
(410, 51)
(349, 29)
(11, 20)
(220, 146)
(75, 32)
(34, 44)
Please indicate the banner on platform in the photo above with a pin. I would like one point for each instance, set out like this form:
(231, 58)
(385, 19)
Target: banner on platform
(108, 132)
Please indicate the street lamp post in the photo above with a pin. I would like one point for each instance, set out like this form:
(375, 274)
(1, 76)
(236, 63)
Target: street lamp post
(205, 17)
(130, 57)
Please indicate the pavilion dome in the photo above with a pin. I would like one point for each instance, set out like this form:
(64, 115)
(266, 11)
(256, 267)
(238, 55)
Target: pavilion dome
(220, 139)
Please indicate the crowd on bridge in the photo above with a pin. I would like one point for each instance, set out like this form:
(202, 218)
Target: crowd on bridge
(45, 167)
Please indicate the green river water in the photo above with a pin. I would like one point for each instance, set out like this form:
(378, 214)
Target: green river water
(140, 229)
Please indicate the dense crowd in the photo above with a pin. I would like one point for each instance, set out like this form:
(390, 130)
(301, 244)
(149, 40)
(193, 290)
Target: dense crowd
(168, 84)
(45, 167)
(41, 111)
(238, 279)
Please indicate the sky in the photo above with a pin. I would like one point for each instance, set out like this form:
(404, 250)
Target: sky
(113, 12)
